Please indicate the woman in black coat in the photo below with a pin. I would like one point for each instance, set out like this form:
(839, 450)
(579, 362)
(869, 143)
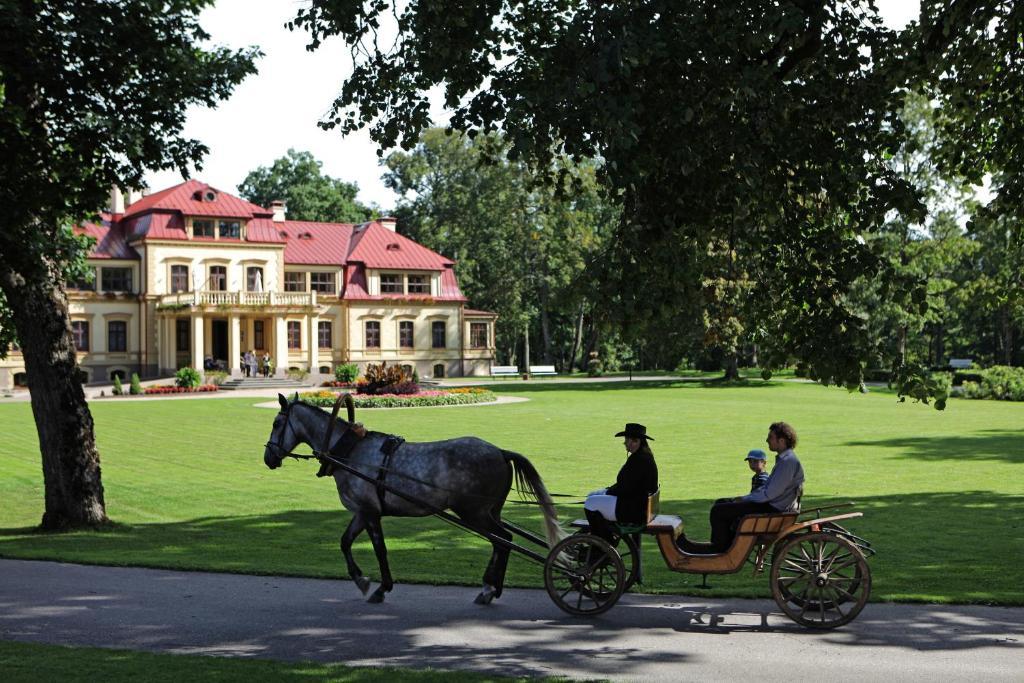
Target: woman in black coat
(625, 501)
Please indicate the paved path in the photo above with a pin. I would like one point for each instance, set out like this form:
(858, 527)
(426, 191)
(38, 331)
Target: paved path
(643, 638)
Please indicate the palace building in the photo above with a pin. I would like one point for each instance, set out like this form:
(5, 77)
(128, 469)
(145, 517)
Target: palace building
(192, 276)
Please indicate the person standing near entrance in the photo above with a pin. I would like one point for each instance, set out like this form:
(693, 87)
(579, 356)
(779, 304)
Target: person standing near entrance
(266, 364)
(247, 363)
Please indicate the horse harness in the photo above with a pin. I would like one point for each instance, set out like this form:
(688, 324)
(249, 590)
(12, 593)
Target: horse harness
(352, 436)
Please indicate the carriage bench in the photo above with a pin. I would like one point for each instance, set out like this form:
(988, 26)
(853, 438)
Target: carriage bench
(504, 371)
(543, 370)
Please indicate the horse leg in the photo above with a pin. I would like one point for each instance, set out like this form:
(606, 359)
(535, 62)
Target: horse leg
(376, 532)
(355, 527)
(494, 575)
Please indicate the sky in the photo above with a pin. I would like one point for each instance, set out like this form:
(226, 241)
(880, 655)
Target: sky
(278, 108)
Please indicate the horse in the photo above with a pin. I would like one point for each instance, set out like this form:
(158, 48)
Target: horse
(467, 475)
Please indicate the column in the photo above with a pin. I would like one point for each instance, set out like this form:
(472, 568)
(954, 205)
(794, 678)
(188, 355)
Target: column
(198, 337)
(280, 346)
(234, 345)
(313, 322)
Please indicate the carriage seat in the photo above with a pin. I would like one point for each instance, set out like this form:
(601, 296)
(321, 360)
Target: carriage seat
(653, 508)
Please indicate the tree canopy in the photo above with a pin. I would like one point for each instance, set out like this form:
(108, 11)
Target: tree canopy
(721, 127)
(94, 94)
(297, 179)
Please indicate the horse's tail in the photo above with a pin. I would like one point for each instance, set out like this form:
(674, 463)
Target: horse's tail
(528, 481)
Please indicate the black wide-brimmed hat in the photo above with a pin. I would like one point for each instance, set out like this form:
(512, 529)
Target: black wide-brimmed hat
(635, 431)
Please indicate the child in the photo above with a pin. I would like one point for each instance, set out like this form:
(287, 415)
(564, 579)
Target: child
(757, 461)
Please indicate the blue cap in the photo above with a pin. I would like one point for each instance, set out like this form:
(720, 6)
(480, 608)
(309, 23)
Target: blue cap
(756, 454)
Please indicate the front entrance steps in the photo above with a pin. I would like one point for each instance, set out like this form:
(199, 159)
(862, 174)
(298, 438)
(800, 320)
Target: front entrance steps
(281, 383)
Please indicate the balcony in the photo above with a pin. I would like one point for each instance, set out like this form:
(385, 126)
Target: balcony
(237, 298)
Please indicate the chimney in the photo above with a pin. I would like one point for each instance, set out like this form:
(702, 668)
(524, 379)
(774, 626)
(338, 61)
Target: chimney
(388, 222)
(116, 200)
(133, 196)
(280, 209)
(146, 192)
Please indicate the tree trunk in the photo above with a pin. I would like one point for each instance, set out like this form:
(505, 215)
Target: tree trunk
(526, 349)
(577, 339)
(545, 331)
(753, 357)
(901, 344)
(732, 365)
(1007, 330)
(940, 345)
(71, 464)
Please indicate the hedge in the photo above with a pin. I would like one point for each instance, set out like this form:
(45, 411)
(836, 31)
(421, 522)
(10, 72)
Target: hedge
(423, 399)
(1001, 383)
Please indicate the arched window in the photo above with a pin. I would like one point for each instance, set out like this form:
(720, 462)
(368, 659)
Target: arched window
(407, 370)
(119, 373)
(20, 379)
(439, 370)
(325, 369)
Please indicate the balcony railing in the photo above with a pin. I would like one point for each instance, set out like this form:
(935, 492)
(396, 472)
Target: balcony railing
(237, 298)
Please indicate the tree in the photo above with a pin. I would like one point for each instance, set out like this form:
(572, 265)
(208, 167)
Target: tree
(522, 247)
(706, 115)
(94, 94)
(310, 195)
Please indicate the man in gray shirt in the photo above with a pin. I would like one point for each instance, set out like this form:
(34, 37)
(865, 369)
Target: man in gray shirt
(778, 495)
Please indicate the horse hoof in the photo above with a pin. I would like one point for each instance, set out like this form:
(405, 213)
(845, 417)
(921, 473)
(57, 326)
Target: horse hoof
(363, 584)
(484, 598)
(377, 597)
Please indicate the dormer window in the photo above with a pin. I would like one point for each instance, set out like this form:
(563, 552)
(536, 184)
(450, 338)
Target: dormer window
(230, 229)
(419, 284)
(391, 283)
(202, 228)
(207, 195)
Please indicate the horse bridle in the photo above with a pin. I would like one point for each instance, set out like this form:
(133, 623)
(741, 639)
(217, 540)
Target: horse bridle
(279, 448)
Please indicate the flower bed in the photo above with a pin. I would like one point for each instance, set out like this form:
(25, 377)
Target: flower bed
(452, 397)
(338, 385)
(171, 389)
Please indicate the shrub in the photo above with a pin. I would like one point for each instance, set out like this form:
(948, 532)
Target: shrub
(380, 378)
(216, 377)
(346, 373)
(960, 377)
(187, 377)
(1001, 382)
(117, 390)
(877, 375)
(136, 386)
(298, 374)
(594, 367)
(423, 399)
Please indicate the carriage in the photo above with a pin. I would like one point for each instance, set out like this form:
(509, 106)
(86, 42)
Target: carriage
(817, 568)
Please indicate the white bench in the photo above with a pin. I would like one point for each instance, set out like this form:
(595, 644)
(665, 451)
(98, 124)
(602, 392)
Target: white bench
(542, 370)
(961, 363)
(504, 371)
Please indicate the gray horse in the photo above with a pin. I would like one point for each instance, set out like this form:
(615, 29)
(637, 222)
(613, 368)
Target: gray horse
(468, 476)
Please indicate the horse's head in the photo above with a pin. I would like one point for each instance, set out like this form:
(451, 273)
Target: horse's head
(283, 437)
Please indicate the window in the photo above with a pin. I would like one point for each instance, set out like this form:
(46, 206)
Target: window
(405, 334)
(322, 282)
(295, 282)
(117, 336)
(294, 334)
(117, 279)
(87, 282)
(254, 279)
(439, 370)
(202, 228)
(437, 334)
(407, 370)
(218, 278)
(372, 334)
(179, 278)
(257, 334)
(419, 284)
(478, 335)
(184, 339)
(323, 333)
(230, 229)
(120, 374)
(80, 331)
(391, 284)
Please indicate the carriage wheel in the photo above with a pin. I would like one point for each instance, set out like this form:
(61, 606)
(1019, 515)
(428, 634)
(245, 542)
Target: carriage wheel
(630, 554)
(584, 575)
(820, 580)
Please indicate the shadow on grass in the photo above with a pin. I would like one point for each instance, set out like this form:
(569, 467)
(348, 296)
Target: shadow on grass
(992, 444)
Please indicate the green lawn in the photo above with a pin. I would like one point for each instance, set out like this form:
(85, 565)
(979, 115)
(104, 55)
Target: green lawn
(29, 663)
(186, 484)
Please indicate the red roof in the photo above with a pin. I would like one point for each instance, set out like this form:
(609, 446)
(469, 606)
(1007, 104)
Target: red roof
(188, 199)
(482, 314)
(311, 243)
(110, 240)
(377, 247)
